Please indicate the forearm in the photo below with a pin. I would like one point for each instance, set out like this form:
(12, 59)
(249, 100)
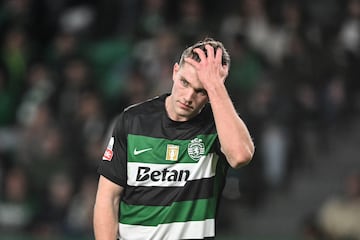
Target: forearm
(106, 210)
(235, 139)
(106, 220)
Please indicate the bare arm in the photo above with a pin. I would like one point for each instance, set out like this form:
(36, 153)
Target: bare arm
(234, 136)
(106, 209)
(235, 140)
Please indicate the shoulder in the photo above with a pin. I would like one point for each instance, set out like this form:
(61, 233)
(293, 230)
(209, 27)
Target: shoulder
(143, 109)
(149, 106)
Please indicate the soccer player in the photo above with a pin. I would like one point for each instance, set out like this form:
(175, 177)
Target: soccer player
(164, 168)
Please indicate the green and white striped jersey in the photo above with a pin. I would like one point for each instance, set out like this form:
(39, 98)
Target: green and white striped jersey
(172, 173)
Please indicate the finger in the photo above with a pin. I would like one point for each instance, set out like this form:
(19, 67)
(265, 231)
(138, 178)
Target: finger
(210, 51)
(226, 69)
(218, 56)
(191, 61)
(224, 72)
(200, 53)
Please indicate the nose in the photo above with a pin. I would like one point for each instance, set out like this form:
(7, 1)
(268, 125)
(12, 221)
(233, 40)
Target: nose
(189, 96)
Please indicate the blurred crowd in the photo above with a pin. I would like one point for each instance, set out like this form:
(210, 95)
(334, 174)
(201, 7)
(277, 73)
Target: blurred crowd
(68, 67)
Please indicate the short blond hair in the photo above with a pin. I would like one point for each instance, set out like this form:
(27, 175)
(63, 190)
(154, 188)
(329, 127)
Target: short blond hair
(188, 52)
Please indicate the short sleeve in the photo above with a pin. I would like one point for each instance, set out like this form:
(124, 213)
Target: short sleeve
(114, 161)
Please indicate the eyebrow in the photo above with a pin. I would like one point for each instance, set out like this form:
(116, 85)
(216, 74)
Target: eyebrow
(197, 90)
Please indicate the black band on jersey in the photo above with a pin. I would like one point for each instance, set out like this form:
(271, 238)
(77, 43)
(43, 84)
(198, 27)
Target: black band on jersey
(165, 196)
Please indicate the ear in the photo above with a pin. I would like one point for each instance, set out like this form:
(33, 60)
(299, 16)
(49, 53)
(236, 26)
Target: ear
(176, 69)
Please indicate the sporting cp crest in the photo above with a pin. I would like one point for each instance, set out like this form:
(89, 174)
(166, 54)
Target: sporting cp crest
(196, 149)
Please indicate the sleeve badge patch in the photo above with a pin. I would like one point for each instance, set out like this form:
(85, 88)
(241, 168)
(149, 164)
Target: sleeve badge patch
(109, 150)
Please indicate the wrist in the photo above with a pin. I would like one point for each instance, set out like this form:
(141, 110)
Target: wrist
(216, 90)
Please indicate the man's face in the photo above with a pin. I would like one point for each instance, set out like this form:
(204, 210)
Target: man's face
(188, 96)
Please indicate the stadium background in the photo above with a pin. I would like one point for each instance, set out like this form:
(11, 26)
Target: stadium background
(68, 67)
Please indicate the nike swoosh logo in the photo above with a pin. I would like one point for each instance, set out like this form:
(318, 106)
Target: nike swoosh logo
(137, 152)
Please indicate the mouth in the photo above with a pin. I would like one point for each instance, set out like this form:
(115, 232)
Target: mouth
(185, 106)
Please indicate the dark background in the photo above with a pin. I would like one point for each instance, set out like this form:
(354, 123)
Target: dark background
(67, 68)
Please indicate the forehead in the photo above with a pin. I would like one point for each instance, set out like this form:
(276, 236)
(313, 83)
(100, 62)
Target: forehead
(187, 70)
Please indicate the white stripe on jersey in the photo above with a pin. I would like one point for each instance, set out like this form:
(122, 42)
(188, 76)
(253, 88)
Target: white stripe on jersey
(169, 231)
(166, 175)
